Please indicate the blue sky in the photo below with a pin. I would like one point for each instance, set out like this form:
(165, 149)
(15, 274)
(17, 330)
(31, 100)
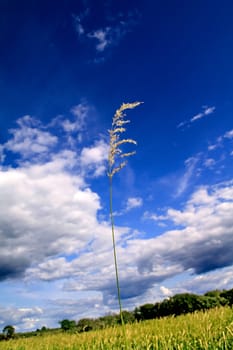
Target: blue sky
(64, 70)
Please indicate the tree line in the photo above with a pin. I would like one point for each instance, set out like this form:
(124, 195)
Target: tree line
(176, 305)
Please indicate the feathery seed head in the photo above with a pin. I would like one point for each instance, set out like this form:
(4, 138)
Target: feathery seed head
(115, 141)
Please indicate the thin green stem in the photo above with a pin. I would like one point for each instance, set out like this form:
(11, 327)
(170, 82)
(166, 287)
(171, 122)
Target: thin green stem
(114, 249)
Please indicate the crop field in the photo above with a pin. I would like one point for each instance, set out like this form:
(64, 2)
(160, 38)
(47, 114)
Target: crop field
(212, 330)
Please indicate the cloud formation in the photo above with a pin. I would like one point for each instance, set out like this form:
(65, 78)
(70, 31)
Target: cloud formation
(105, 36)
(200, 242)
(203, 240)
(134, 202)
(51, 231)
(206, 111)
(29, 138)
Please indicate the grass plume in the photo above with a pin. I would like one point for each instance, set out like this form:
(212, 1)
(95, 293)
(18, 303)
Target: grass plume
(117, 161)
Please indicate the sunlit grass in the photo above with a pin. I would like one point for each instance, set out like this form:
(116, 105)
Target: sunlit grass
(212, 330)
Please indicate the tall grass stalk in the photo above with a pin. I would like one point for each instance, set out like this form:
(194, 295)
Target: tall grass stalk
(116, 161)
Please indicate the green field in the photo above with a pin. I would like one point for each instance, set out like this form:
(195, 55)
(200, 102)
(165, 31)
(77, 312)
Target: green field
(212, 330)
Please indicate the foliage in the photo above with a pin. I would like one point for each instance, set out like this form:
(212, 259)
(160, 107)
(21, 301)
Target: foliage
(176, 305)
(228, 295)
(86, 324)
(145, 312)
(8, 331)
(180, 304)
(67, 325)
(211, 330)
(213, 293)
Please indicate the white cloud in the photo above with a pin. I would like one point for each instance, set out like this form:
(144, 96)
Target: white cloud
(206, 111)
(153, 216)
(229, 134)
(190, 166)
(196, 117)
(80, 112)
(20, 318)
(209, 162)
(78, 19)
(166, 291)
(50, 231)
(221, 279)
(221, 141)
(103, 38)
(213, 147)
(94, 154)
(48, 212)
(2, 156)
(134, 202)
(29, 139)
(94, 158)
(108, 36)
(201, 243)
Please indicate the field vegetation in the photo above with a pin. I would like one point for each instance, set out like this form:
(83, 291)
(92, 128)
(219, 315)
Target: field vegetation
(203, 330)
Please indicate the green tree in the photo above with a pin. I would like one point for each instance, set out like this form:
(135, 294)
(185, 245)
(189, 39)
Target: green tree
(67, 325)
(86, 324)
(144, 312)
(228, 295)
(8, 331)
(213, 293)
(128, 317)
(184, 303)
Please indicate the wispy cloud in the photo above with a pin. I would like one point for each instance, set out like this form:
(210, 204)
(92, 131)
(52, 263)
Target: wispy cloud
(30, 138)
(209, 163)
(104, 37)
(190, 166)
(80, 112)
(134, 202)
(206, 111)
(229, 134)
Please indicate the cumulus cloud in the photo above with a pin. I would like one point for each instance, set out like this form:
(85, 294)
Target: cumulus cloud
(29, 138)
(46, 208)
(49, 212)
(94, 158)
(20, 318)
(201, 243)
(220, 279)
(203, 240)
(50, 229)
(94, 154)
